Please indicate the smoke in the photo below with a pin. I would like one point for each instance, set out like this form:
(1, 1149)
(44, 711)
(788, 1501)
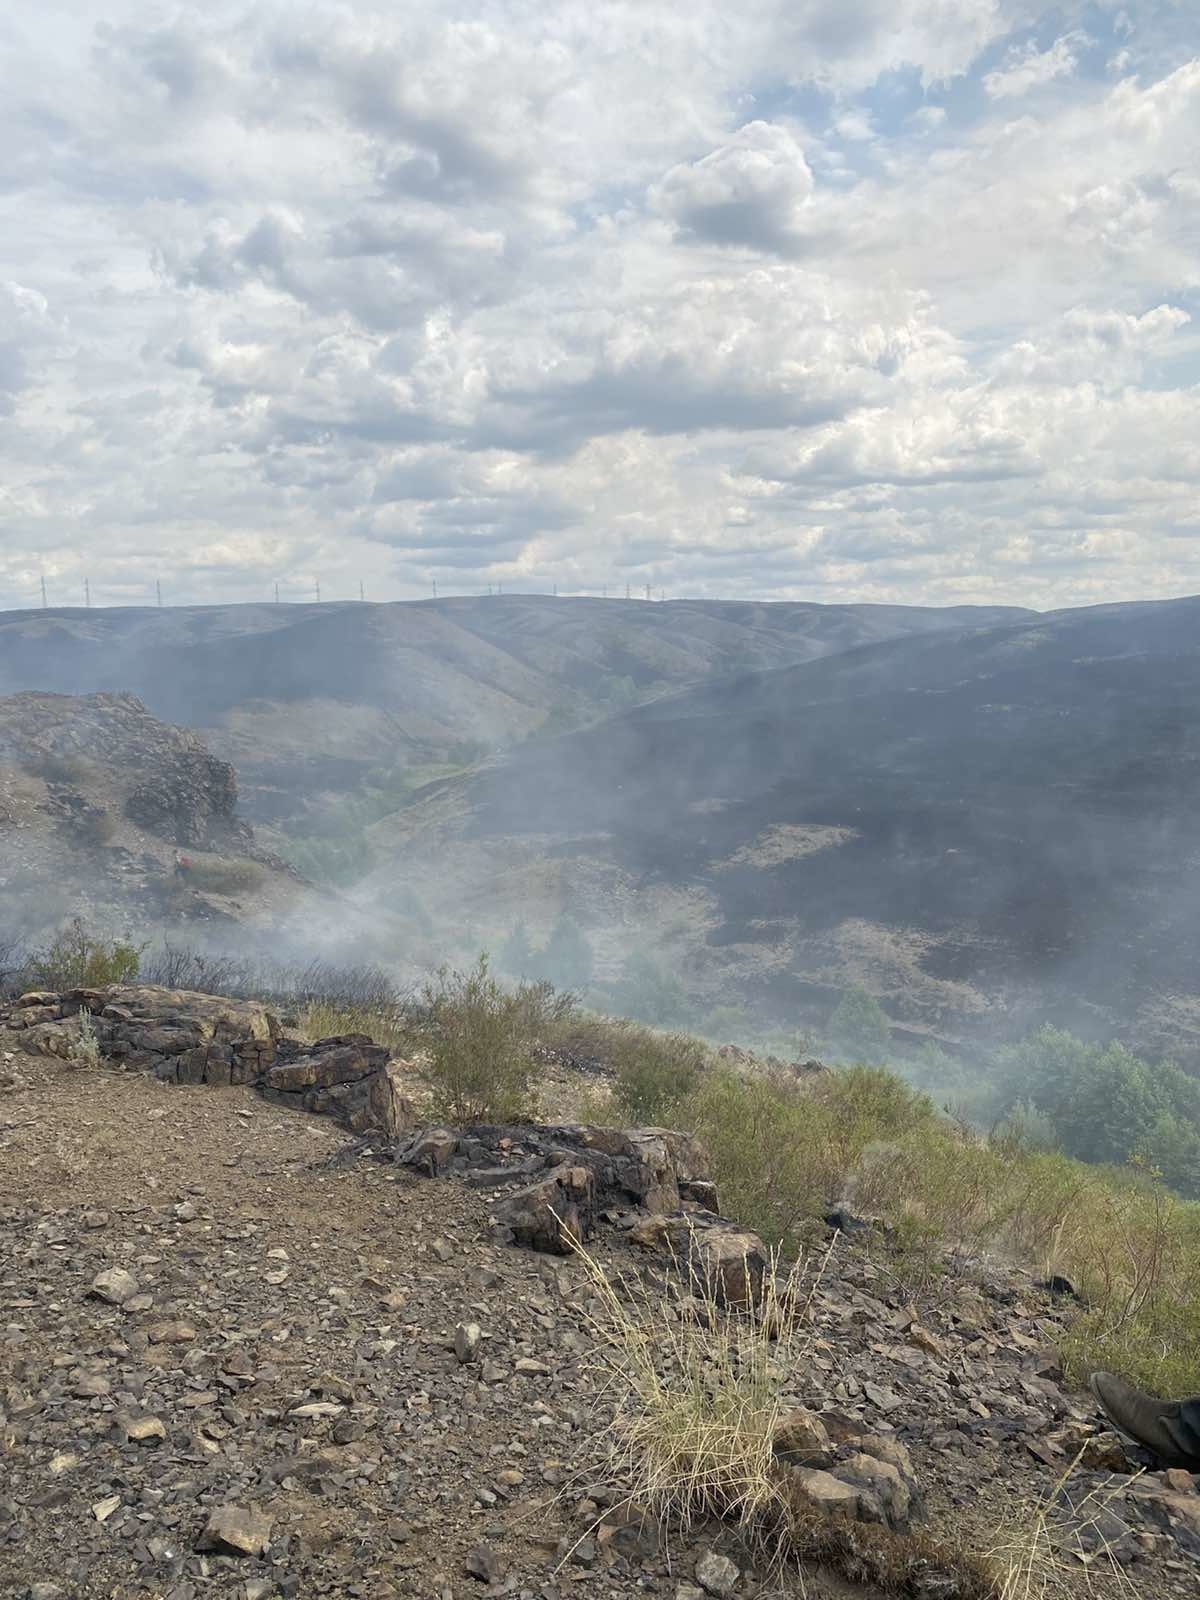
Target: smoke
(986, 820)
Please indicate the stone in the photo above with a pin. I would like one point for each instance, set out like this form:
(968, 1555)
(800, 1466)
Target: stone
(801, 1439)
(814, 1490)
(483, 1563)
(717, 1575)
(171, 1333)
(554, 1214)
(114, 1285)
(886, 1486)
(237, 1529)
(466, 1340)
(103, 1509)
(141, 1429)
(727, 1264)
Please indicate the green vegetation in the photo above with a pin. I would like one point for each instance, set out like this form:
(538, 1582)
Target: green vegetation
(858, 1029)
(79, 959)
(1104, 1104)
(654, 1074)
(479, 1065)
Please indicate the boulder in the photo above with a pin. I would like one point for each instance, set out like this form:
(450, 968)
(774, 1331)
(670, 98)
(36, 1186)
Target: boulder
(554, 1214)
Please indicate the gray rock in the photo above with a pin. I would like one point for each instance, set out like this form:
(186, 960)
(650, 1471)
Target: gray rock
(466, 1340)
(716, 1574)
(237, 1529)
(114, 1285)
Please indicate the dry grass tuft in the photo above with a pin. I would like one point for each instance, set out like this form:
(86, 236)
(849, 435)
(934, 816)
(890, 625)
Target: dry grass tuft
(698, 1393)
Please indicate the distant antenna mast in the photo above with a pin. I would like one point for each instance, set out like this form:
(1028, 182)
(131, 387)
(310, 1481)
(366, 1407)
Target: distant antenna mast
(87, 593)
(45, 602)
(361, 595)
(158, 590)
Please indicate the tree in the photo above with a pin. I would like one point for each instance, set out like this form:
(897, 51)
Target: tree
(859, 1029)
(516, 955)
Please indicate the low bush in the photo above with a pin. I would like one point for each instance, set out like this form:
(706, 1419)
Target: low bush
(479, 1062)
(79, 959)
(654, 1074)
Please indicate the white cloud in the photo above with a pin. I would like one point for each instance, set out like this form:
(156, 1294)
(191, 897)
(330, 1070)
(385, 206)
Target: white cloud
(1030, 68)
(529, 293)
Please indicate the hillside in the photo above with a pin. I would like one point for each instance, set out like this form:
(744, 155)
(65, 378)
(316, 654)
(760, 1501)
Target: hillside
(98, 799)
(249, 1354)
(984, 828)
(313, 703)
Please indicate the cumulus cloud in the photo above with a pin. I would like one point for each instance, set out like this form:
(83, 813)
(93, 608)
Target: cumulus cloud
(751, 191)
(500, 292)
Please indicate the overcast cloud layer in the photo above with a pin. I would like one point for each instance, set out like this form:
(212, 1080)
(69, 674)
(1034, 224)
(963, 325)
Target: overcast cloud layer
(841, 300)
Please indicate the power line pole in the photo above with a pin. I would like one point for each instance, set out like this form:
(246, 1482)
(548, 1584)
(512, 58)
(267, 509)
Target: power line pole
(158, 590)
(45, 602)
(317, 589)
(87, 594)
(361, 595)
(647, 591)
(556, 591)
(627, 591)
(435, 588)
(276, 594)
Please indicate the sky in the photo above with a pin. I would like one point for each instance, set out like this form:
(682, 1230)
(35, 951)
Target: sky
(840, 300)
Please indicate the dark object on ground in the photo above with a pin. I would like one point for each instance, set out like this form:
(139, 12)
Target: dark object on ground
(1169, 1429)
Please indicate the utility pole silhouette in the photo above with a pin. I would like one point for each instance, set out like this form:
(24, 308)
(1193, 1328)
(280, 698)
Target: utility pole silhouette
(435, 588)
(361, 595)
(317, 589)
(647, 591)
(45, 602)
(87, 593)
(158, 590)
(276, 594)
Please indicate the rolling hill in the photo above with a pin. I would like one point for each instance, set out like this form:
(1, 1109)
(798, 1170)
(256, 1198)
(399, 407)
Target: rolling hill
(984, 827)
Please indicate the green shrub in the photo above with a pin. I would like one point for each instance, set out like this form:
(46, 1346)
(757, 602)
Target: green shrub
(78, 959)
(654, 1073)
(479, 1061)
(771, 1150)
(858, 1028)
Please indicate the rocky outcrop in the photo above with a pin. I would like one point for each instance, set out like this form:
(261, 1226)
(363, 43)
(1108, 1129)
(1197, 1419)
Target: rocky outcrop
(188, 1038)
(348, 1077)
(553, 1182)
(163, 778)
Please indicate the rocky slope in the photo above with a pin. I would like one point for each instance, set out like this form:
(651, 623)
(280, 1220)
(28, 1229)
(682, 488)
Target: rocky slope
(245, 1354)
(98, 799)
(984, 828)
